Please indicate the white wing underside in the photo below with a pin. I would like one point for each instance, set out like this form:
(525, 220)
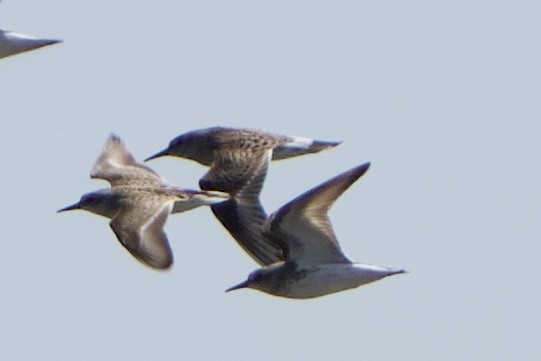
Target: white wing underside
(140, 230)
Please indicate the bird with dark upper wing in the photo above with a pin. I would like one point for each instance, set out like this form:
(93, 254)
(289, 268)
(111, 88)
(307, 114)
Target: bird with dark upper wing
(238, 161)
(314, 263)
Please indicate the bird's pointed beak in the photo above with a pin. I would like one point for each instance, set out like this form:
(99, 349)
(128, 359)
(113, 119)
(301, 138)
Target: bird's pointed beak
(240, 285)
(70, 208)
(159, 154)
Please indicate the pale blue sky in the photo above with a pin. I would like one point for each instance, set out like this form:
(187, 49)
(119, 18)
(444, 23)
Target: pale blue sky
(442, 98)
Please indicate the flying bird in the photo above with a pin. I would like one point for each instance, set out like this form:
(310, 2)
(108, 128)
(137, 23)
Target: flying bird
(138, 203)
(314, 263)
(238, 161)
(12, 43)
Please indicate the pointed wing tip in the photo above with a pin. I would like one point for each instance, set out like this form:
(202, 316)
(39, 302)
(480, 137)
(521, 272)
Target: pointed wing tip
(356, 172)
(113, 139)
(319, 145)
(350, 176)
(47, 42)
(115, 148)
(112, 144)
(336, 143)
(364, 167)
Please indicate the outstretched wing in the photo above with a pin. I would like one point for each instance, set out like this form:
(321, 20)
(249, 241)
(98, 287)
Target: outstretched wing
(242, 174)
(302, 227)
(118, 166)
(140, 230)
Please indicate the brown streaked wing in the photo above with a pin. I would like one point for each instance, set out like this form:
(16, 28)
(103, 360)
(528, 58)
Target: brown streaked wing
(232, 169)
(243, 215)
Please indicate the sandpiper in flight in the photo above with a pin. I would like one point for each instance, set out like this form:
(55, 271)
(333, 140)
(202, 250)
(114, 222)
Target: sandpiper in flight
(314, 263)
(138, 203)
(238, 161)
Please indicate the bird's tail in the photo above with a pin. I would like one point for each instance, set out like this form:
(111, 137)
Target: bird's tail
(191, 199)
(300, 146)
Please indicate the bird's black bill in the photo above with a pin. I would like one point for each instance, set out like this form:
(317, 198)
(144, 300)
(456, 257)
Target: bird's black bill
(157, 155)
(240, 285)
(70, 208)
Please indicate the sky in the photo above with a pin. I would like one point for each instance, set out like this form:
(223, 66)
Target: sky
(442, 97)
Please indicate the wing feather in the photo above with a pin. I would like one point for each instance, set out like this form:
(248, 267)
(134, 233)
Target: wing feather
(140, 231)
(243, 215)
(117, 165)
(302, 226)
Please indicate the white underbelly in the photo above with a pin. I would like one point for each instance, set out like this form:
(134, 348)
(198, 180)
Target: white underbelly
(326, 279)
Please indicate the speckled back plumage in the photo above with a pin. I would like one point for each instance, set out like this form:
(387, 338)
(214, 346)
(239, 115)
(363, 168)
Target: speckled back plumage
(238, 159)
(139, 203)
